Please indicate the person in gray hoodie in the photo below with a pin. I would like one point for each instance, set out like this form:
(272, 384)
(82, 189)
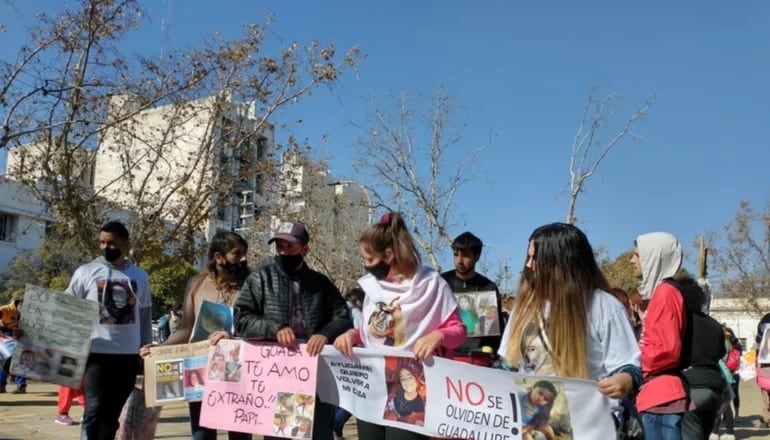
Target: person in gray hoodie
(123, 292)
(680, 346)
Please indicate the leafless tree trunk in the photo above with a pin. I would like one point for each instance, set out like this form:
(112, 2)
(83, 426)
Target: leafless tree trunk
(401, 157)
(591, 146)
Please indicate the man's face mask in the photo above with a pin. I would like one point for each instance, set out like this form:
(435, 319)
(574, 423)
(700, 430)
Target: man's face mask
(290, 263)
(111, 254)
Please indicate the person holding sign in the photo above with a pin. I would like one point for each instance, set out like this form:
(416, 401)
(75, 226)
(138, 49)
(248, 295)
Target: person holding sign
(286, 301)
(564, 322)
(9, 329)
(407, 307)
(122, 290)
(220, 283)
(466, 249)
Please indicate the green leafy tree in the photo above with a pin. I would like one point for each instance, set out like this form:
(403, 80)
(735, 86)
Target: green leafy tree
(168, 279)
(619, 272)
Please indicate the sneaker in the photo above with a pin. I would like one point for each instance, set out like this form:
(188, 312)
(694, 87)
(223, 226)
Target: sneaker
(714, 437)
(20, 390)
(63, 419)
(727, 437)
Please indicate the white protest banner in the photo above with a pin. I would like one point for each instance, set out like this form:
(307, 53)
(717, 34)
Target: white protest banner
(56, 336)
(260, 388)
(175, 372)
(449, 399)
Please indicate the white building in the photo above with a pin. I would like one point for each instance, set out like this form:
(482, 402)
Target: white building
(739, 315)
(335, 212)
(23, 221)
(169, 152)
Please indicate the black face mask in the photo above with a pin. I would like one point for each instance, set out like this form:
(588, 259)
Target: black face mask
(379, 270)
(290, 263)
(238, 270)
(112, 254)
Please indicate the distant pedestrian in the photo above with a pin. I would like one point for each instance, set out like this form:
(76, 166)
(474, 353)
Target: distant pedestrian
(66, 396)
(9, 326)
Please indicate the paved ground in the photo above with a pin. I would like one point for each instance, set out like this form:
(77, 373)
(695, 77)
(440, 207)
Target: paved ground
(30, 416)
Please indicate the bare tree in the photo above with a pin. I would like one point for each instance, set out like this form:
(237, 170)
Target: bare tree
(402, 158)
(72, 100)
(741, 256)
(595, 138)
(307, 193)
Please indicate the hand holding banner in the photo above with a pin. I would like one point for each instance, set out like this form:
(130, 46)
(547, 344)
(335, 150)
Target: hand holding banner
(175, 372)
(455, 400)
(260, 388)
(57, 336)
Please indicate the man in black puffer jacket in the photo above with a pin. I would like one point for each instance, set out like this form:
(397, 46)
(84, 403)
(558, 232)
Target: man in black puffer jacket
(287, 302)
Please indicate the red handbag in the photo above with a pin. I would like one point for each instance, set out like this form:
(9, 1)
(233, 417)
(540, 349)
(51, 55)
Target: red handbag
(733, 360)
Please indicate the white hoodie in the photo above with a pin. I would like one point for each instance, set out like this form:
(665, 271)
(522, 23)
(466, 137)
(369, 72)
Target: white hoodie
(123, 294)
(660, 255)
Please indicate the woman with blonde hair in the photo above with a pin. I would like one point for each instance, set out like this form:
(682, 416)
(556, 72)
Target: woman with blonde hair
(564, 322)
(407, 307)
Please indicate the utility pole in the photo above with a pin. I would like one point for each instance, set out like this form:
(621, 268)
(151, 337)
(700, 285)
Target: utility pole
(703, 280)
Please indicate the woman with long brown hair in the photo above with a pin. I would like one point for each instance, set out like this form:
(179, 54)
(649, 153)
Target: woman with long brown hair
(220, 282)
(564, 322)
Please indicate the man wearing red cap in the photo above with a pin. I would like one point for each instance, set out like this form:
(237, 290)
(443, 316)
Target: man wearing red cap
(286, 301)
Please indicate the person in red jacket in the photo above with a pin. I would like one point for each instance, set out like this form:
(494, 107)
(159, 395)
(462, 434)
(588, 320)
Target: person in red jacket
(662, 400)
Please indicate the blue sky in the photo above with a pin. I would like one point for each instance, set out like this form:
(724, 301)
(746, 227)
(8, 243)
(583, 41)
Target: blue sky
(522, 71)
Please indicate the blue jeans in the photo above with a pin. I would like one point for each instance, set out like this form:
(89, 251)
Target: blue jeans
(20, 381)
(662, 426)
(341, 416)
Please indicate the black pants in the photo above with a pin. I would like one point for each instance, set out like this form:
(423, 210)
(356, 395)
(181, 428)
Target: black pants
(108, 381)
(200, 433)
(323, 418)
(370, 431)
(699, 423)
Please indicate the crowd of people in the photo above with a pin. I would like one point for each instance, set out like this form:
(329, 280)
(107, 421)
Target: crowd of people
(668, 366)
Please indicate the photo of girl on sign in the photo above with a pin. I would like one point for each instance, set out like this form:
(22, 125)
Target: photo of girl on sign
(544, 411)
(405, 380)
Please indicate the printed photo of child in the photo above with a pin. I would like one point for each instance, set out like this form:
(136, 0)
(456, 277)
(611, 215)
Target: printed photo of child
(407, 393)
(67, 366)
(217, 367)
(543, 409)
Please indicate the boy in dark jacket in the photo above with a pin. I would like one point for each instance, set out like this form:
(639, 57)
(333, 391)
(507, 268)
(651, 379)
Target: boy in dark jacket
(286, 301)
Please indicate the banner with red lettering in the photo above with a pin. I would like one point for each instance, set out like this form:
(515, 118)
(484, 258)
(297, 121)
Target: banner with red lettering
(260, 388)
(444, 398)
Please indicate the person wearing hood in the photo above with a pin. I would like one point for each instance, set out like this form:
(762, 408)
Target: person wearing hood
(286, 301)
(125, 308)
(680, 346)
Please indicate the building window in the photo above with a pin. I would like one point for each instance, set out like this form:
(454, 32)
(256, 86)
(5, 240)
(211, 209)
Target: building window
(7, 227)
